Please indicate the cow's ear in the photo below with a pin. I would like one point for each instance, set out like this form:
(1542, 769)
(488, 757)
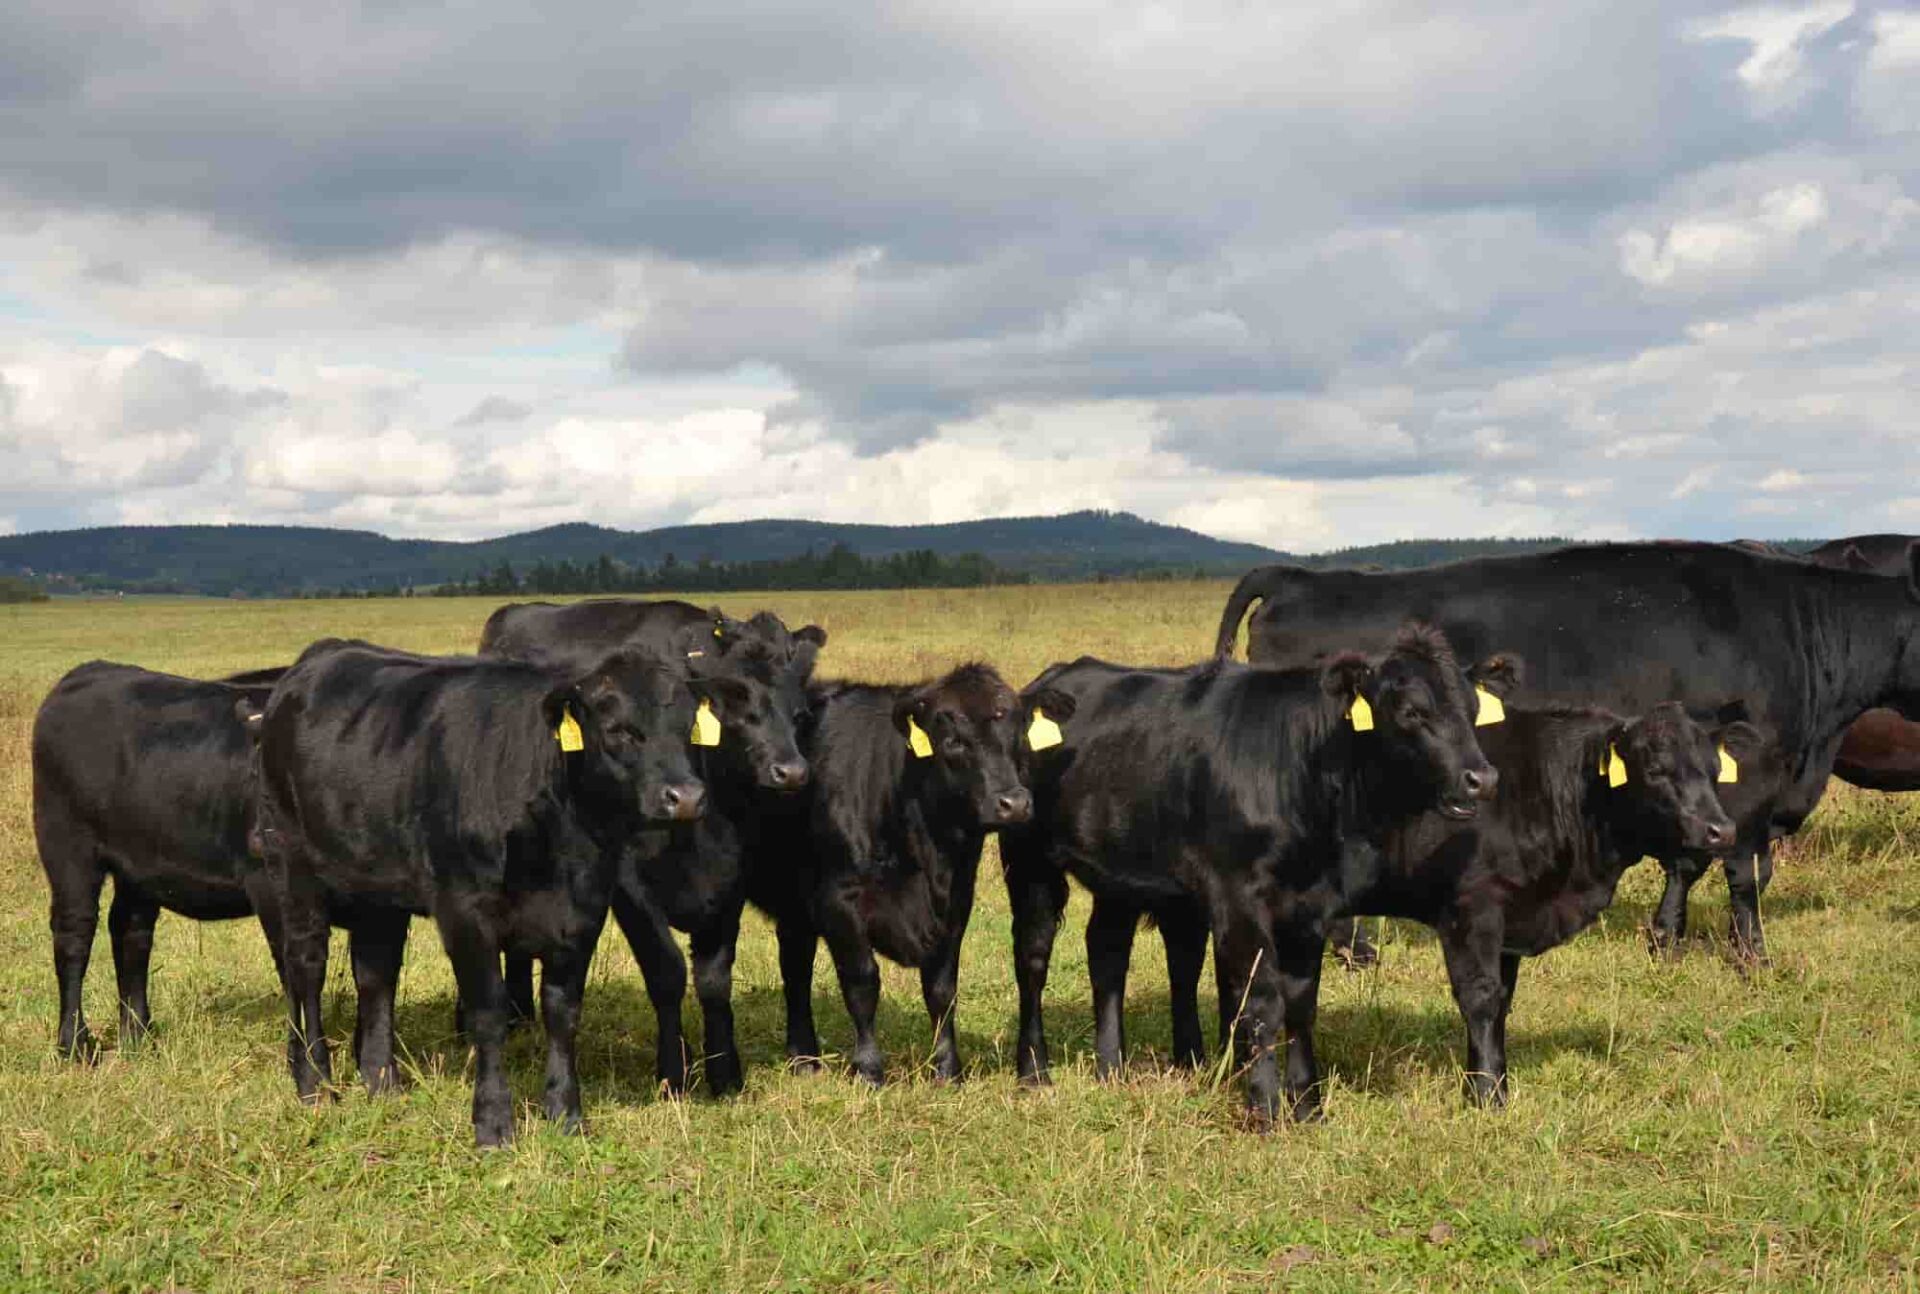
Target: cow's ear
(811, 634)
(249, 715)
(1741, 739)
(914, 707)
(803, 657)
(1348, 675)
(729, 695)
(1499, 674)
(1057, 704)
(567, 716)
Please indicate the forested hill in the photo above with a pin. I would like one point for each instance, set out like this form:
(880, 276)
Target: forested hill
(289, 559)
(265, 560)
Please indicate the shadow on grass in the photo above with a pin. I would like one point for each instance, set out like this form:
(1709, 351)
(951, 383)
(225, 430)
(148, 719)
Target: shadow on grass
(1374, 1048)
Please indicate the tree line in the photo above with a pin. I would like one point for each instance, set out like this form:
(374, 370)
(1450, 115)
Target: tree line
(838, 568)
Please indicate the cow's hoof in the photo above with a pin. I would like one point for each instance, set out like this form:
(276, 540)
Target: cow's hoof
(723, 1077)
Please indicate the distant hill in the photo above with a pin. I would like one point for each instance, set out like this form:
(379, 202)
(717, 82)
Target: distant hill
(266, 560)
(282, 560)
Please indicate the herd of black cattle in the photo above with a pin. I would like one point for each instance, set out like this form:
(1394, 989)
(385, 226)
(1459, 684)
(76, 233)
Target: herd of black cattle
(673, 765)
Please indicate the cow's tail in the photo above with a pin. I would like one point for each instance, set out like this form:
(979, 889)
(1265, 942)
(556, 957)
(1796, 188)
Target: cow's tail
(1251, 589)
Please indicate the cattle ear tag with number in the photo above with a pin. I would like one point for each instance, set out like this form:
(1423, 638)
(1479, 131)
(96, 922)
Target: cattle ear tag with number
(1615, 767)
(1490, 710)
(568, 733)
(1729, 767)
(1042, 732)
(706, 726)
(917, 740)
(1360, 714)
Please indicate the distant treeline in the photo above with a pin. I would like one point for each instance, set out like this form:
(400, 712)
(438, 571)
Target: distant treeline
(838, 568)
(15, 589)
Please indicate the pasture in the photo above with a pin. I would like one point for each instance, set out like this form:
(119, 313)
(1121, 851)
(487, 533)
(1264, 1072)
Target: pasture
(1673, 1124)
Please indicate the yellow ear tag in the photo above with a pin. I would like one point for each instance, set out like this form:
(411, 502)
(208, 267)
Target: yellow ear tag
(568, 733)
(1616, 768)
(1490, 711)
(917, 740)
(706, 726)
(1729, 767)
(1042, 732)
(1361, 714)
(716, 631)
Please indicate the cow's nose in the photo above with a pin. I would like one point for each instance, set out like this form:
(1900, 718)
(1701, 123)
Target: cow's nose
(1719, 835)
(684, 802)
(788, 775)
(1013, 806)
(1480, 783)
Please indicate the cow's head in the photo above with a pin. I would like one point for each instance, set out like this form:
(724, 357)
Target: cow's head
(1419, 707)
(768, 629)
(968, 731)
(758, 691)
(630, 717)
(1664, 784)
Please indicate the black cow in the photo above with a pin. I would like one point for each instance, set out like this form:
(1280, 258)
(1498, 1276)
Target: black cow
(907, 783)
(575, 635)
(688, 877)
(144, 777)
(1629, 626)
(692, 876)
(1881, 751)
(1264, 795)
(492, 795)
(1584, 795)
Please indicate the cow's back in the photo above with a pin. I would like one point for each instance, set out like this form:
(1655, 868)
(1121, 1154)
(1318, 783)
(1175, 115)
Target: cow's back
(577, 635)
(153, 772)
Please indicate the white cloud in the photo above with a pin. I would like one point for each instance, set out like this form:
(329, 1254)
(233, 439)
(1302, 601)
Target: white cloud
(1774, 71)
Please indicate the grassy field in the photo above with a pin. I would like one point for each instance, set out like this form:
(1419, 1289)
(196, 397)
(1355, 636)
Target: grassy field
(1673, 1124)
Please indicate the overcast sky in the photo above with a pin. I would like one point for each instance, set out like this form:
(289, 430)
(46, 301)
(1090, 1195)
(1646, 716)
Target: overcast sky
(1307, 275)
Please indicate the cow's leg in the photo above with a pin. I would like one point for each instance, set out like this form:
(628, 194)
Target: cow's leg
(664, 971)
(1038, 894)
(940, 979)
(563, 985)
(377, 944)
(1185, 935)
(1478, 975)
(1300, 954)
(473, 946)
(1243, 947)
(713, 949)
(303, 965)
(1509, 980)
(798, 943)
(1748, 872)
(130, 923)
(519, 979)
(1351, 945)
(75, 876)
(1110, 929)
(859, 988)
(1670, 918)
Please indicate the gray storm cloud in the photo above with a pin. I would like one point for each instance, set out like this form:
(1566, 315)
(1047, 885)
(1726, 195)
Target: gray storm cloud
(1636, 268)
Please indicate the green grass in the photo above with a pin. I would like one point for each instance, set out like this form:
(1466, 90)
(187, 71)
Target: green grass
(1672, 1125)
